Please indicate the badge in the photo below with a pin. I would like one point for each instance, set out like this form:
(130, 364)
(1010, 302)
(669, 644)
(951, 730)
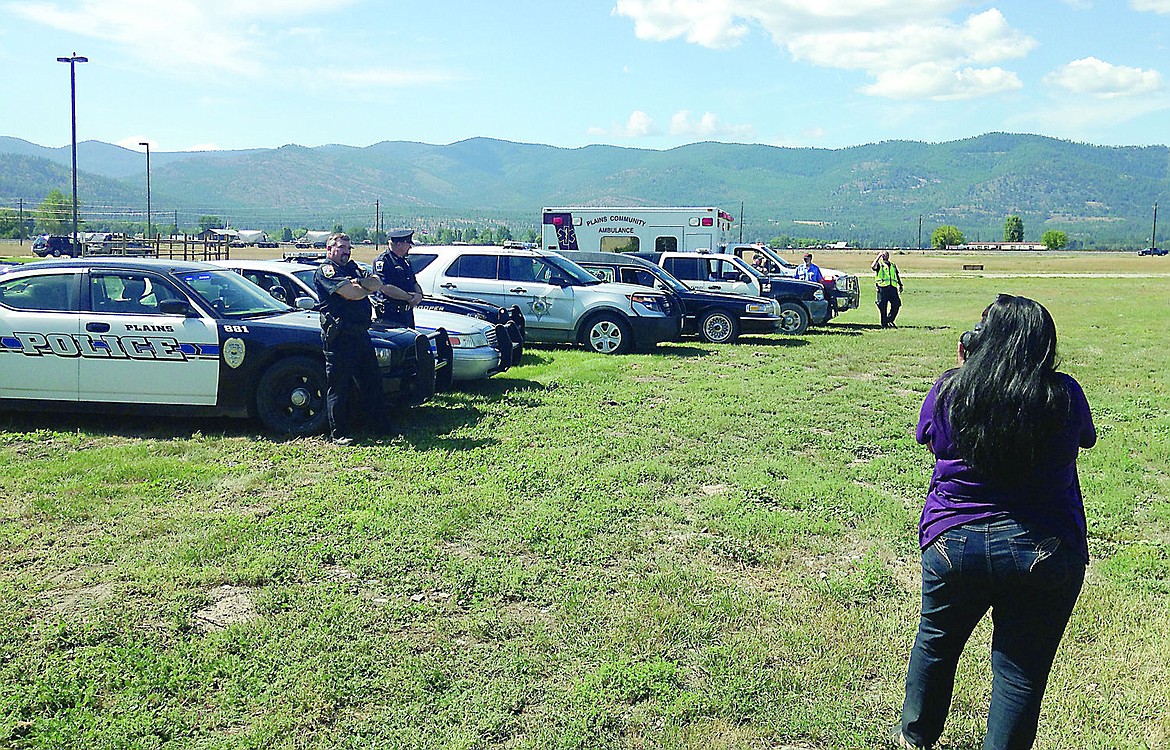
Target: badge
(328, 271)
(541, 306)
(233, 352)
(378, 266)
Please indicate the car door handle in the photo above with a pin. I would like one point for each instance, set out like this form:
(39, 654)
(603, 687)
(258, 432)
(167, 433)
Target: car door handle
(97, 327)
(448, 285)
(518, 290)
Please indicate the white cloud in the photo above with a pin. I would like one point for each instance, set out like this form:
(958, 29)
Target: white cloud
(710, 23)
(1153, 6)
(639, 125)
(198, 38)
(942, 83)
(895, 42)
(1098, 78)
(707, 126)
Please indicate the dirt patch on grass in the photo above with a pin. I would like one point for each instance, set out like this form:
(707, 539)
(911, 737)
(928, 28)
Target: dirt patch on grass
(229, 605)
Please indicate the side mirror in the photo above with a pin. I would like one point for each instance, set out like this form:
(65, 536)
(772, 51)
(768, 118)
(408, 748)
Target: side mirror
(743, 278)
(280, 293)
(306, 303)
(177, 307)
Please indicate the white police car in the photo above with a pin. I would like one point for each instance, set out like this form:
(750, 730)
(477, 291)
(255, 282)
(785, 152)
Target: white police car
(149, 335)
(480, 349)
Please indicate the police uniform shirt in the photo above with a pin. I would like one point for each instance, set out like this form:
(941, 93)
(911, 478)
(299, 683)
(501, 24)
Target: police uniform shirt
(328, 278)
(394, 271)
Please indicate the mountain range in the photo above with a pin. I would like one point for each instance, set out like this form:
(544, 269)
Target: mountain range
(876, 194)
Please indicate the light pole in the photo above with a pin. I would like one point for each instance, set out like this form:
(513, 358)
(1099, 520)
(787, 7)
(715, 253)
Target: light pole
(73, 60)
(148, 232)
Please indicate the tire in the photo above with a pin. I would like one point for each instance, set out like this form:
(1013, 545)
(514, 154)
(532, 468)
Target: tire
(793, 318)
(290, 398)
(717, 327)
(55, 252)
(608, 334)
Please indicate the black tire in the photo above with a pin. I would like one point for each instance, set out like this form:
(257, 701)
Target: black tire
(607, 334)
(55, 252)
(290, 398)
(718, 327)
(793, 318)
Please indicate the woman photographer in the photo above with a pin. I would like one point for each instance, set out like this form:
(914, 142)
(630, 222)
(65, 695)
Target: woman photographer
(1003, 527)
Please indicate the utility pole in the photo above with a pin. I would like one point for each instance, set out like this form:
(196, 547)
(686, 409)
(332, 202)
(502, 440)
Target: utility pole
(1154, 234)
(73, 60)
(22, 222)
(377, 224)
(741, 221)
(920, 231)
(148, 227)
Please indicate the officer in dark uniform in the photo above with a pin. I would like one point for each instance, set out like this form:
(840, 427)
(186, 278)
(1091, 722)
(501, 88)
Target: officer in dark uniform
(343, 288)
(394, 304)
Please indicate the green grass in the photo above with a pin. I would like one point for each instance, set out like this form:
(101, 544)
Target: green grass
(708, 547)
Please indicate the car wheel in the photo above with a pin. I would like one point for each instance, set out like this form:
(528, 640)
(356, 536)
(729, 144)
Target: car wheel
(793, 318)
(55, 252)
(608, 334)
(717, 327)
(290, 398)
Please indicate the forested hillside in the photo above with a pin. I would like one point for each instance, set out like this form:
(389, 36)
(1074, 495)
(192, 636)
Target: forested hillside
(874, 194)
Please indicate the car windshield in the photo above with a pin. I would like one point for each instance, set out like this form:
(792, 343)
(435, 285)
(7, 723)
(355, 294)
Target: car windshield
(571, 270)
(667, 280)
(231, 295)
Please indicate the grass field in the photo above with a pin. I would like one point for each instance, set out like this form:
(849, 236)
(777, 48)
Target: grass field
(707, 547)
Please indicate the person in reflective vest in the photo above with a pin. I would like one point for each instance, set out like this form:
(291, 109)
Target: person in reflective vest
(889, 287)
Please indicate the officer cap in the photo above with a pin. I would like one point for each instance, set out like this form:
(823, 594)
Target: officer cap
(402, 235)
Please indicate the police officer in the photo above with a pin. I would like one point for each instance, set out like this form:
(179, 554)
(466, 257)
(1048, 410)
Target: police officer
(889, 288)
(394, 303)
(343, 287)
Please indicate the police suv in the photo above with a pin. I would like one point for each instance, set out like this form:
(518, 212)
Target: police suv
(151, 336)
(561, 302)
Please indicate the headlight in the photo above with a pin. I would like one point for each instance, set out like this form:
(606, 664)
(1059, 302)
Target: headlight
(759, 308)
(385, 356)
(819, 294)
(467, 340)
(652, 302)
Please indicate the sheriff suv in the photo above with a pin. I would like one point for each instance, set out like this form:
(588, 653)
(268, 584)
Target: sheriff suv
(561, 302)
(174, 337)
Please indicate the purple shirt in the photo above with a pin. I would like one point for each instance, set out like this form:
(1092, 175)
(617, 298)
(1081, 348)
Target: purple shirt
(1049, 496)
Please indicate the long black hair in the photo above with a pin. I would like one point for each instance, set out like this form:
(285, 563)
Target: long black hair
(1006, 404)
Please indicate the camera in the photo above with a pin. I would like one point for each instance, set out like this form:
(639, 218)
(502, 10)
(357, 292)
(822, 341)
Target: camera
(970, 339)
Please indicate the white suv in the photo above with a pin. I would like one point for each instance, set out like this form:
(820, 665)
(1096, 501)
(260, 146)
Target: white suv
(561, 302)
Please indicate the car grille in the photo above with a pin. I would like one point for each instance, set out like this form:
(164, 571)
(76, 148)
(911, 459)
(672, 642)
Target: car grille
(493, 338)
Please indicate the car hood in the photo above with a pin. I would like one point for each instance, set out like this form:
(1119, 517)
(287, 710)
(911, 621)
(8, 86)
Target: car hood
(452, 322)
(740, 299)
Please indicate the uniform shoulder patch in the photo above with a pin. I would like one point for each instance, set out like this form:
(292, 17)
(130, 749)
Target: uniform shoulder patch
(328, 271)
(378, 265)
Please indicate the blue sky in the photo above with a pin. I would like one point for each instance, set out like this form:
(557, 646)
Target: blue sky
(232, 74)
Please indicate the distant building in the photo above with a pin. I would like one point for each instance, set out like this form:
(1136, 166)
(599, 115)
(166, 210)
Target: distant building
(999, 246)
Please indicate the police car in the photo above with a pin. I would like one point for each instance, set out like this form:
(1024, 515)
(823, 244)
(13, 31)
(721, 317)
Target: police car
(160, 336)
(479, 349)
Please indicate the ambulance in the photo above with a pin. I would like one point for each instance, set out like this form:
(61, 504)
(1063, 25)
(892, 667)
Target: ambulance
(663, 229)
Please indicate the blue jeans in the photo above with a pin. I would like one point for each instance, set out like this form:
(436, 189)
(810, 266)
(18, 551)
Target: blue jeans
(1030, 581)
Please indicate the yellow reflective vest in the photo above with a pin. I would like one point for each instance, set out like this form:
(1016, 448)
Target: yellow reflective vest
(887, 275)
